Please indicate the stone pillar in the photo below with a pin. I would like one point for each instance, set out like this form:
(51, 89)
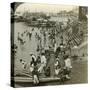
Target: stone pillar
(52, 58)
(61, 59)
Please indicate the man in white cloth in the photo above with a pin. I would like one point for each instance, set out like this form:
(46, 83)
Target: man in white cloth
(55, 47)
(43, 63)
(67, 67)
(34, 69)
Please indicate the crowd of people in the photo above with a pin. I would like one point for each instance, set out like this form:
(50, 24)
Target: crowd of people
(45, 41)
(38, 65)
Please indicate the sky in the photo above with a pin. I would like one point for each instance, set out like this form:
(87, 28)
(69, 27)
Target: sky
(51, 8)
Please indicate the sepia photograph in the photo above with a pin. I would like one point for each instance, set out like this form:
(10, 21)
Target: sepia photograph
(49, 44)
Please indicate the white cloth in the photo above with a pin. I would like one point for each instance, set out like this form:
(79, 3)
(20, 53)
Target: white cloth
(35, 81)
(57, 63)
(43, 63)
(68, 63)
(33, 56)
(57, 71)
(43, 59)
(55, 47)
(31, 69)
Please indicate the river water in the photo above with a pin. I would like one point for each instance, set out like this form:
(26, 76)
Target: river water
(30, 46)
